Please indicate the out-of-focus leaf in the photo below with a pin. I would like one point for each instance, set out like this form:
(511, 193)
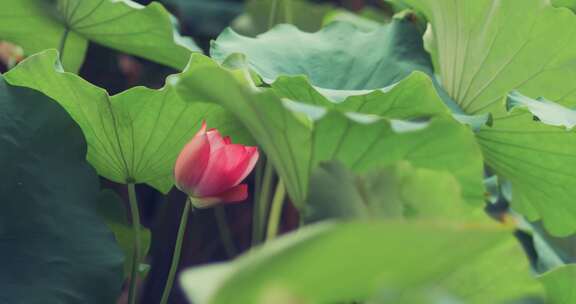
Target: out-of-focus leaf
(134, 136)
(367, 19)
(145, 31)
(53, 246)
(559, 284)
(305, 15)
(398, 191)
(571, 4)
(339, 262)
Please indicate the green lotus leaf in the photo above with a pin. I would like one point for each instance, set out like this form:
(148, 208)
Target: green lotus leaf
(134, 136)
(330, 57)
(484, 49)
(537, 157)
(385, 261)
(526, 46)
(145, 31)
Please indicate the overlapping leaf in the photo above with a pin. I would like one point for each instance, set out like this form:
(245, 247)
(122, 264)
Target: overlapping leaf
(296, 136)
(559, 284)
(537, 158)
(53, 246)
(339, 56)
(384, 260)
(484, 49)
(68, 25)
(134, 136)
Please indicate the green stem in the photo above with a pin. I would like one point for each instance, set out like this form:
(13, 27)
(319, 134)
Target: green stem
(261, 204)
(276, 211)
(273, 13)
(62, 45)
(135, 214)
(177, 252)
(224, 230)
(288, 11)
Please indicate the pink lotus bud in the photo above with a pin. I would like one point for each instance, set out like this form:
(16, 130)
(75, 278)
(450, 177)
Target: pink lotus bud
(210, 168)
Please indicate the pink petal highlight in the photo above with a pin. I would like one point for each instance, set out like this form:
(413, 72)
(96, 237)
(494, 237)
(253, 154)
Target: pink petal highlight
(252, 155)
(227, 167)
(215, 139)
(192, 162)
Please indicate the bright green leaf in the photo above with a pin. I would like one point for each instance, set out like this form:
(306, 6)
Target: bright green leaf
(483, 49)
(53, 246)
(339, 262)
(68, 25)
(538, 159)
(133, 136)
(498, 47)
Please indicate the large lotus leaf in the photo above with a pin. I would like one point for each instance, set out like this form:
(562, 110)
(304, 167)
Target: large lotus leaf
(413, 97)
(344, 262)
(405, 192)
(559, 284)
(483, 49)
(146, 31)
(537, 158)
(134, 136)
(339, 56)
(53, 246)
(297, 136)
